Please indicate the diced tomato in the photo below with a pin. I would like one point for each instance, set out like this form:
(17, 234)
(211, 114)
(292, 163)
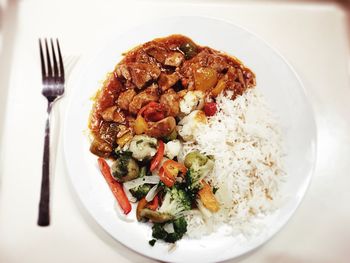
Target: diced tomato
(153, 111)
(158, 157)
(116, 187)
(151, 104)
(210, 108)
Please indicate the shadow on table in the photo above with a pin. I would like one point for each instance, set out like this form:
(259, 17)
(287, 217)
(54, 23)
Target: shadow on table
(8, 28)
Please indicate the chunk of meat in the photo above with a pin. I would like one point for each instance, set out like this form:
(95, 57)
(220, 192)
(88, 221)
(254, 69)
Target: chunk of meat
(123, 72)
(161, 128)
(157, 51)
(235, 81)
(166, 81)
(163, 55)
(143, 57)
(170, 100)
(100, 148)
(125, 99)
(174, 59)
(108, 132)
(140, 73)
(113, 114)
(144, 97)
(107, 96)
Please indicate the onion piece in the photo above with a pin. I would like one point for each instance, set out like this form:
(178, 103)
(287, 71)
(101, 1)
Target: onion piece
(131, 198)
(169, 228)
(152, 193)
(140, 181)
(205, 212)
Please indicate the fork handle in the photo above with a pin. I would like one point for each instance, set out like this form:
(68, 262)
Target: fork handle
(44, 204)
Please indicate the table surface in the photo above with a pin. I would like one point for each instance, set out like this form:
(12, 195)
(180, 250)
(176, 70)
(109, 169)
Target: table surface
(314, 40)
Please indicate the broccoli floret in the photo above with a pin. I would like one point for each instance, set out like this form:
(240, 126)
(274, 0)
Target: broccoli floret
(175, 202)
(140, 191)
(198, 166)
(158, 231)
(180, 228)
(152, 242)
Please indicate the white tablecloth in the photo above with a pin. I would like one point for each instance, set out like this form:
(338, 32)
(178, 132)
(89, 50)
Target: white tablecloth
(312, 37)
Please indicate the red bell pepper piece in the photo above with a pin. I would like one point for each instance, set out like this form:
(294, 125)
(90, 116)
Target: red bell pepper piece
(158, 157)
(116, 187)
(169, 171)
(153, 205)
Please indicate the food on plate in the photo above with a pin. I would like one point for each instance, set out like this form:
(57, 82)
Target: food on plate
(181, 130)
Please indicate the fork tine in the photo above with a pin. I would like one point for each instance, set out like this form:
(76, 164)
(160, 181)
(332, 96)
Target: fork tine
(42, 61)
(60, 60)
(55, 68)
(49, 67)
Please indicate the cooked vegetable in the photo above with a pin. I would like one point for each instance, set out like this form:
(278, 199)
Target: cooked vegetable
(140, 206)
(175, 202)
(140, 125)
(141, 181)
(172, 149)
(155, 216)
(193, 100)
(153, 205)
(129, 195)
(125, 168)
(172, 136)
(170, 171)
(189, 49)
(116, 187)
(205, 79)
(208, 198)
(152, 193)
(210, 108)
(220, 86)
(158, 157)
(199, 166)
(188, 126)
(140, 191)
(195, 159)
(152, 242)
(124, 139)
(159, 231)
(169, 181)
(143, 147)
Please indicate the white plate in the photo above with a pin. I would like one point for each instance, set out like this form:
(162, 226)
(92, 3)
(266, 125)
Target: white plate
(276, 80)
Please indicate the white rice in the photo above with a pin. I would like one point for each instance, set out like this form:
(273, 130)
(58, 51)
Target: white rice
(245, 140)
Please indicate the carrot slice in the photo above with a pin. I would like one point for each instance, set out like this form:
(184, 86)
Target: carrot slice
(116, 187)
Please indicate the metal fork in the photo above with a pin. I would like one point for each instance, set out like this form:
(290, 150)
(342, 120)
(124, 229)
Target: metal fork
(53, 89)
